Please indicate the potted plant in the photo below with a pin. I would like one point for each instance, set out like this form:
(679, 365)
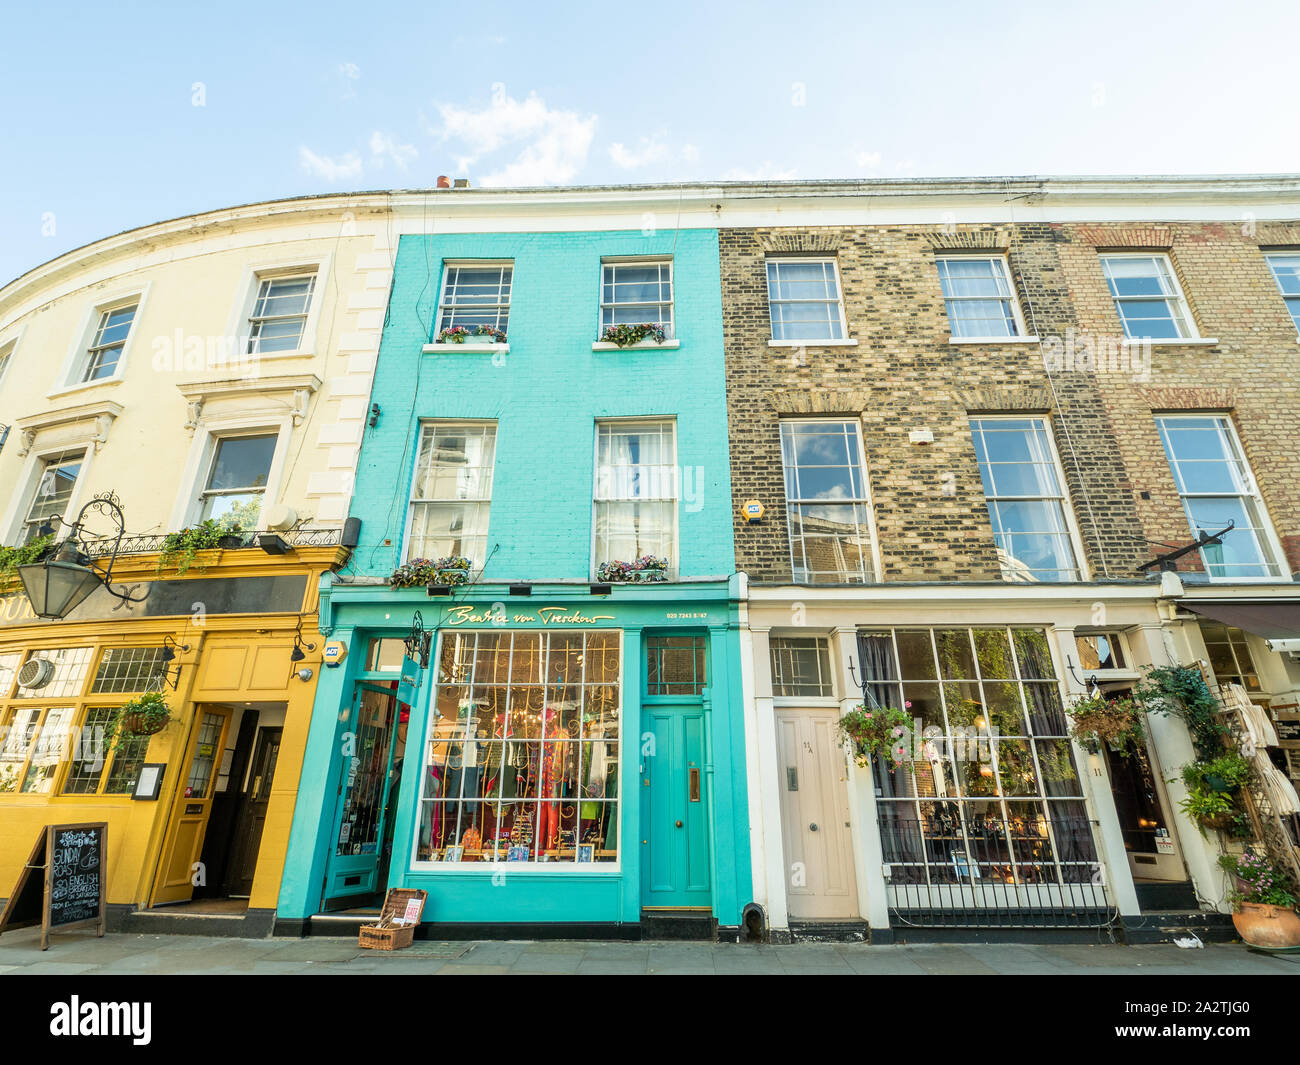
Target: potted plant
(145, 715)
(626, 335)
(180, 548)
(881, 730)
(647, 569)
(1212, 788)
(1114, 722)
(1264, 900)
(451, 571)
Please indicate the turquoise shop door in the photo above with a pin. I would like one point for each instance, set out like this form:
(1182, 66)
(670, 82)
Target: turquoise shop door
(674, 810)
(364, 785)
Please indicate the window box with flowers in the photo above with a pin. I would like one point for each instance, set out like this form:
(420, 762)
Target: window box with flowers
(450, 572)
(648, 569)
(642, 335)
(482, 338)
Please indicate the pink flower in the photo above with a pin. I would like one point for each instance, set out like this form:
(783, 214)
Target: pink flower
(908, 704)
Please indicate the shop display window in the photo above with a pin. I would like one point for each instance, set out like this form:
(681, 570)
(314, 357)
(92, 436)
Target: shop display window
(994, 796)
(521, 759)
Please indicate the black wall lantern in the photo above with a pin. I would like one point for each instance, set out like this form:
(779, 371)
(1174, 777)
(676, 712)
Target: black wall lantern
(61, 582)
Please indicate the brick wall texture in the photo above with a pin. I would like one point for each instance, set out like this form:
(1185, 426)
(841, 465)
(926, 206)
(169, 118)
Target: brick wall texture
(930, 515)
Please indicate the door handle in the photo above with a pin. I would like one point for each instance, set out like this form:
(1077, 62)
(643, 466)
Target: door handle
(812, 827)
(679, 824)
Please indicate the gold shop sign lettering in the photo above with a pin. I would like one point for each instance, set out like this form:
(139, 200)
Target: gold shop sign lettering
(547, 615)
(16, 608)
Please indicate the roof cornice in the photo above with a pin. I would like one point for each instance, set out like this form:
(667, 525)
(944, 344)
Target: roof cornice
(1239, 191)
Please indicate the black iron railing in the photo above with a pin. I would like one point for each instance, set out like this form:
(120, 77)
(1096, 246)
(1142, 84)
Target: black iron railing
(146, 545)
(977, 871)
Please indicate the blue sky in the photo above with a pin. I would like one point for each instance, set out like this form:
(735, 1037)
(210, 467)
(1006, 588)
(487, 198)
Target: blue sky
(120, 115)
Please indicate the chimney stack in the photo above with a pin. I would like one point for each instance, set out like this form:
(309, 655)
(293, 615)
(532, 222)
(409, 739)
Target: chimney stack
(444, 182)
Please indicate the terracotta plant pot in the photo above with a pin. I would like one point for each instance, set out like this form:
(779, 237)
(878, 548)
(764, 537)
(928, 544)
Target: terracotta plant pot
(139, 725)
(1262, 925)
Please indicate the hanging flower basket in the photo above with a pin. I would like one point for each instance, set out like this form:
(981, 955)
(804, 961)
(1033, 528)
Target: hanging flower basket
(145, 715)
(451, 571)
(881, 730)
(1114, 722)
(648, 569)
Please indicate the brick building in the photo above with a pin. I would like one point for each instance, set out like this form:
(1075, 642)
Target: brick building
(958, 403)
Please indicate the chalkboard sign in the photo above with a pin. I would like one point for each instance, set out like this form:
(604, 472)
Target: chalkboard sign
(1288, 730)
(72, 888)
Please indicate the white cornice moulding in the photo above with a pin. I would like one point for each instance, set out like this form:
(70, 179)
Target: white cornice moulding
(199, 393)
(102, 414)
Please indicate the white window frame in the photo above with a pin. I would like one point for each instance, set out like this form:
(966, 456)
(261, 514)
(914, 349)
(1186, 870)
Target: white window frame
(11, 342)
(1294, 257)
(1002, 264)
(674, 560)
(615, 261)
(827, 646)
(551, 869)
(1180, 308)
(1067, 505)
(189, 506)
(448, 265)
(238, 328)
(875, 577)
(1268, 541)
(774, 341)
(424, 425)
(77, 360)
(20, 502)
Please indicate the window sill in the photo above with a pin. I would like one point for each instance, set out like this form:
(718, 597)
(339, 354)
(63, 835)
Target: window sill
(1170, 342)
(849, 343)
(467, 348)
(68, 390)
(640, 345)
(993, 340)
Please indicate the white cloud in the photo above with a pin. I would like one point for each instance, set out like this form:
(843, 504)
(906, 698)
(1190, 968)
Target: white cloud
(322, 166)
(690, 153)
(384, 147)
(765, 171)
(551, 145)
(867, 160)
(649, 151)
(350, 71)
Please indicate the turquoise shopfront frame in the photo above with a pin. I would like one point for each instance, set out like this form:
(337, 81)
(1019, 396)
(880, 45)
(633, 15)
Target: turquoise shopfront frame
(496, 894)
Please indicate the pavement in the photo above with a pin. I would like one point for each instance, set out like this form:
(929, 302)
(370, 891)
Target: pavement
(74, 953)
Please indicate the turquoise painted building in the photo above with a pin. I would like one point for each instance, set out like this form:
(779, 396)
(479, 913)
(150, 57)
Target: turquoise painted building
(565, 748)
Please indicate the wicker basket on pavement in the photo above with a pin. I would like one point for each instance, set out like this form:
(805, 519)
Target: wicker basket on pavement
(397, 921)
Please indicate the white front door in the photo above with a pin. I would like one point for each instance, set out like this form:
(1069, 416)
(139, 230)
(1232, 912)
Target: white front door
(820, 883)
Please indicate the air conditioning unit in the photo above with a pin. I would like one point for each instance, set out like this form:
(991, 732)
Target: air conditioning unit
(36, 673)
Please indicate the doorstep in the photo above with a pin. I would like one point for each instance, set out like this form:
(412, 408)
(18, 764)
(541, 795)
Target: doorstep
(164, 920)
(697, 925)
(1166, 926)
(845, 930)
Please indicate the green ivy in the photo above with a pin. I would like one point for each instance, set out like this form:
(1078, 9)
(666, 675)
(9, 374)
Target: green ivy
(24, 555)
(1181, 691)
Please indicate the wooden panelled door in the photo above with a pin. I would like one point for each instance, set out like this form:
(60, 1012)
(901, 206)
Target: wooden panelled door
(189, 820)
(252, 814)
(820, 881)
